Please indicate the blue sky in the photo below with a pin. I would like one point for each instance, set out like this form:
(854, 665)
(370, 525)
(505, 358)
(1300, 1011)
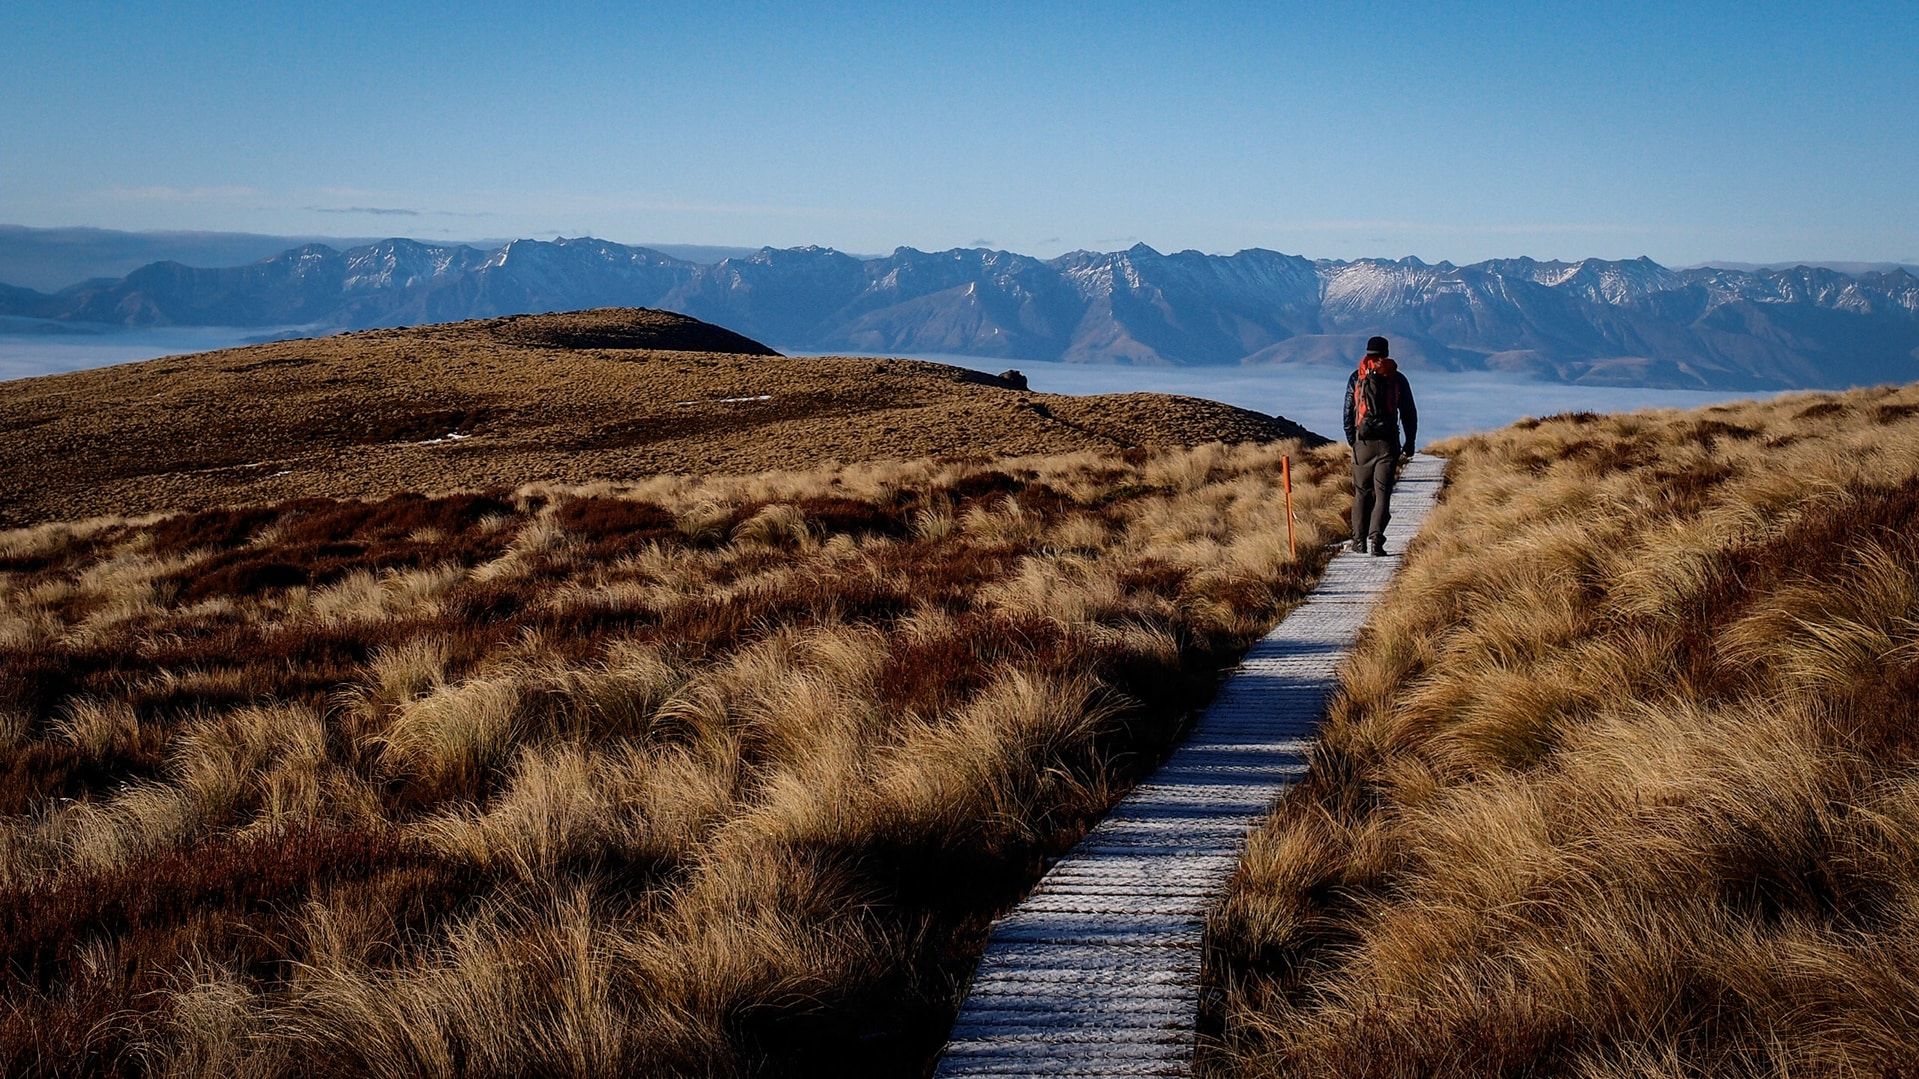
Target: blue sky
(1687, 132)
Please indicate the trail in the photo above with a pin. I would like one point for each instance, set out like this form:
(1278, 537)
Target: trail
(1097, 972)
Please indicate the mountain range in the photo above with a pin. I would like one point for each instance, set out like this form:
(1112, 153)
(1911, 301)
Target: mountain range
(1629, 322)
(52, 258)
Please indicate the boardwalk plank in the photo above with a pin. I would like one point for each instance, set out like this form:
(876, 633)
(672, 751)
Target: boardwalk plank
(1097, 973)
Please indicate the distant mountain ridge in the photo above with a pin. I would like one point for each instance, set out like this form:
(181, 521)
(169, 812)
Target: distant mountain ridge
(1627, 322)
(53, 258)
(1855, 268)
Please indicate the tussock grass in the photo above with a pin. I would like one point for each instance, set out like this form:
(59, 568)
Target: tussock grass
(532, 398)
(688, 776)
(1621, 780)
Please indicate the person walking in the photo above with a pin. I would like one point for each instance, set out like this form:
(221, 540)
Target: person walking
(1379, 405)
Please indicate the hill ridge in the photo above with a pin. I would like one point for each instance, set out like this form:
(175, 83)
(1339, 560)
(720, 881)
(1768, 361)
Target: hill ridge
(581, 397)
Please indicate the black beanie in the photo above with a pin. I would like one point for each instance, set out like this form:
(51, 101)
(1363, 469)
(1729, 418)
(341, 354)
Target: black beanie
(1376, 346)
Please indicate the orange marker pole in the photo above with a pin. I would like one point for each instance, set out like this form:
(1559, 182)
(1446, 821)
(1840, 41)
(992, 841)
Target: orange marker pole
(1286, 473)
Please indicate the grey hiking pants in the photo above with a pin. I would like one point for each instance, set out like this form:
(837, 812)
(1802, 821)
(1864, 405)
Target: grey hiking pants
(1375, 466)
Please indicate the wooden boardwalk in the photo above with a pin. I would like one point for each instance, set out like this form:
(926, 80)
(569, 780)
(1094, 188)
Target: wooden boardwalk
(1097, 972)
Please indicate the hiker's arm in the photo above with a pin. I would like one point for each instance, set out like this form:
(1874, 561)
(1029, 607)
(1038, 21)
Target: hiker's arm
(1351, 382)
(1408, 414)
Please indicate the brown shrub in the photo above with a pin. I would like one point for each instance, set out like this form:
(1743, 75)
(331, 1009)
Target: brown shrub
(616, 524)
(319, 541)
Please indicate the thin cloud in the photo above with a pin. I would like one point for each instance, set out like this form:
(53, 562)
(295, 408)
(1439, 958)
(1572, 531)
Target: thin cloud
(378, 211)
(182, 194)
(392, 211)
(589, 203)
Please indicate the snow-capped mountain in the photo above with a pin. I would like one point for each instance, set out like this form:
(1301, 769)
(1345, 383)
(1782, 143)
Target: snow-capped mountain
(1629, 322)
(405, 264)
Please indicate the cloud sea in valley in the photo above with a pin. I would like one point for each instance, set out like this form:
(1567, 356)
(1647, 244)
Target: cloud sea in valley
(1450, 402)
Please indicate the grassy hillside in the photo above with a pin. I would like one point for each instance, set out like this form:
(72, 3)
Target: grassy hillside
(584, 397)
(698, 776)
(1622, 778)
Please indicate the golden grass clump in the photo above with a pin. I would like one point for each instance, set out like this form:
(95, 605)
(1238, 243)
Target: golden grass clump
(708, 776)
(1621, 778)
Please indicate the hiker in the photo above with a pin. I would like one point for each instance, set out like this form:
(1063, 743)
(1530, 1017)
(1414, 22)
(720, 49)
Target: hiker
(1379, 402)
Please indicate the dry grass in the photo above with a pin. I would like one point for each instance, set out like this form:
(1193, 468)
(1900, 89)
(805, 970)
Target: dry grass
(691, 776)
(582, 397)
(1622, 778)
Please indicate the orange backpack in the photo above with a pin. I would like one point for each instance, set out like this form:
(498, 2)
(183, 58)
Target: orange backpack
(1376, 399)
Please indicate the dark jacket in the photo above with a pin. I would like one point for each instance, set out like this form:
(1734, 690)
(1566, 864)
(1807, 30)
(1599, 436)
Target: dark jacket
(1408, 414)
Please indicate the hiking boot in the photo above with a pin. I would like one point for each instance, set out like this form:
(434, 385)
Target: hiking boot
(1379, 546)
(1359, 546)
